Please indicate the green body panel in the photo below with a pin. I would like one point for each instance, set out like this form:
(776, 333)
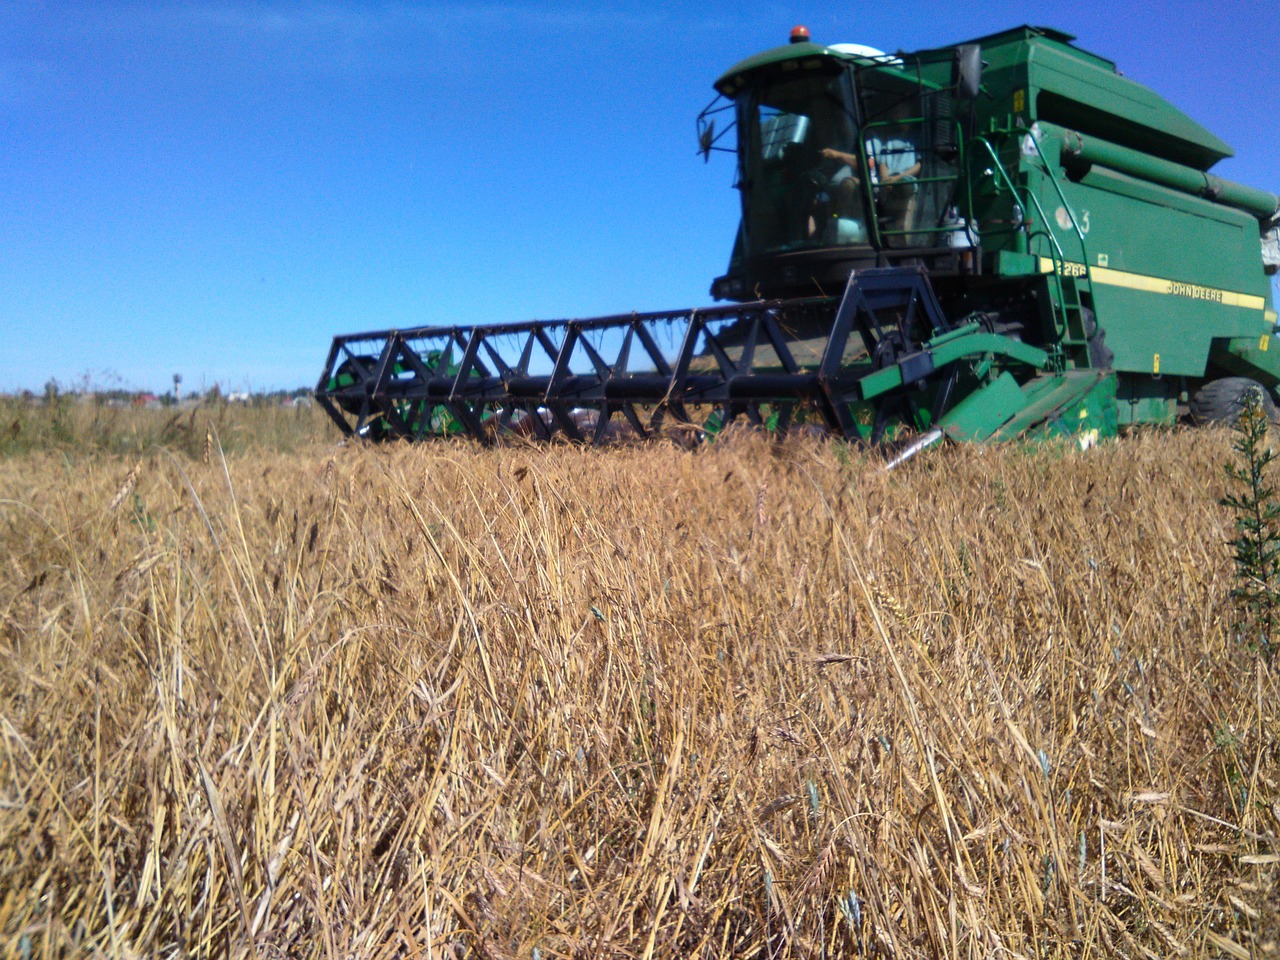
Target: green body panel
(978, 416)
(1146, 400)
(1078, 90)
(1078, 402)
(1169, 274)
(1252, 357)
(1072, 88)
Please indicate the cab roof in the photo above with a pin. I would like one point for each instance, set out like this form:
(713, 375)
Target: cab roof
(802, 54)
(1116, 106)
(731, 80)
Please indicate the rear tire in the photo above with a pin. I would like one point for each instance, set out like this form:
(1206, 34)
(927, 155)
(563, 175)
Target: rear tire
(1220, 402)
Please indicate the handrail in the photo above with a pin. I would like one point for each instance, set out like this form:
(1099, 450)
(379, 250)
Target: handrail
(1084, 249)
(1022, 208)
(1059, 256)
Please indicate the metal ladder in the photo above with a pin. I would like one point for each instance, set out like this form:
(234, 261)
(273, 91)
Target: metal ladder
(1072, 292)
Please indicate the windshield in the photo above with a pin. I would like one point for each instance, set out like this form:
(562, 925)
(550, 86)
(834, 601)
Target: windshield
(801, 176)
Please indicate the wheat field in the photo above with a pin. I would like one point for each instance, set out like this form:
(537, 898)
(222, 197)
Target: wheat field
(760, 699)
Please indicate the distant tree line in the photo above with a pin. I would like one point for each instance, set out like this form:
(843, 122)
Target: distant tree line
(55, 391)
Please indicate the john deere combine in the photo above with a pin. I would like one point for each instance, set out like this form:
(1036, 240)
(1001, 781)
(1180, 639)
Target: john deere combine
(978, 241)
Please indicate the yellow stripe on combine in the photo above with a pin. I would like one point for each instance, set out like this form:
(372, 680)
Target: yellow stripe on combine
(1173, 288)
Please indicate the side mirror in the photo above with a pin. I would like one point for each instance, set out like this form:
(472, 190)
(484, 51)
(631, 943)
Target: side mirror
(966, 71)
(706, 137)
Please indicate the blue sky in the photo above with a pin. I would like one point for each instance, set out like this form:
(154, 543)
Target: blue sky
(218, 188)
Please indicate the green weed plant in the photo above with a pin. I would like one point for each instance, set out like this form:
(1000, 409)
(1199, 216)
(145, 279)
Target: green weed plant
(1256, 545)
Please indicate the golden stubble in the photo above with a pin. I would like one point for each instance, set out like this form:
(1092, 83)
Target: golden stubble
(754, 700)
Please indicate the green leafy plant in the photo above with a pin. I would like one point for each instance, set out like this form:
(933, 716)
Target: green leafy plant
(1256, 545)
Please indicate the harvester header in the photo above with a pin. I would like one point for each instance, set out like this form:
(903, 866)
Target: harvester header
(996, 238)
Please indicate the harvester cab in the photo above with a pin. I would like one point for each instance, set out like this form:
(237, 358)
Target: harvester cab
(993, 239)
(847, 158)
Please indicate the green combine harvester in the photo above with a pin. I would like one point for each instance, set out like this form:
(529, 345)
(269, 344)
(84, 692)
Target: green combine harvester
(1000, 238)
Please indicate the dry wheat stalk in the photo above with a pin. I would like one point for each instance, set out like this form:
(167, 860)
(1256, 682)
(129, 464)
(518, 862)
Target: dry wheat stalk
(130, 480)
(628, 733)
